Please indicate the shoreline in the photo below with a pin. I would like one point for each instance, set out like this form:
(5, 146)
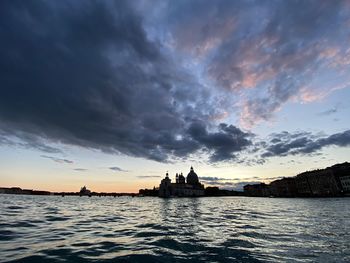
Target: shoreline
(94, 194)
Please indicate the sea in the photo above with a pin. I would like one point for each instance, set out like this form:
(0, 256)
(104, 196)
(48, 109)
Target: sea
(150, 229)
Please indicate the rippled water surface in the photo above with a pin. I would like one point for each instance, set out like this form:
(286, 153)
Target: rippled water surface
(125, 229)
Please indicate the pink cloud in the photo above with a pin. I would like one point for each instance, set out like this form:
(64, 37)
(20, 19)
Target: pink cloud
(308, 95)
(220, 116)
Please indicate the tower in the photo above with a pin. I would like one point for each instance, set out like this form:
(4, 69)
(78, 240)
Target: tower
(165, 189)
(182, 179)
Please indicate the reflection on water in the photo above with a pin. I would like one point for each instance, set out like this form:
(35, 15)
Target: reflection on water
(124, 229)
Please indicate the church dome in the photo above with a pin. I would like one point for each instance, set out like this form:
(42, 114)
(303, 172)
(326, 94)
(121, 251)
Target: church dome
(192, 177)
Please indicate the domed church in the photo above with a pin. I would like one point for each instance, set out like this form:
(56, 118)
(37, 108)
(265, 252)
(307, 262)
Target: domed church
(192, 177)
(181, 188)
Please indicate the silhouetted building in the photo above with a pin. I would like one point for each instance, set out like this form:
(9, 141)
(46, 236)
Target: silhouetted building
(323, 183)
(6, 190)
(256, 190)
(212, 191)
(341, 172)
(149, 192)
(302, 185)
(345, 183)
(285, 187)
(13, 190)
(19, 191)
(28, 191)
(317, 183)
(181, 188)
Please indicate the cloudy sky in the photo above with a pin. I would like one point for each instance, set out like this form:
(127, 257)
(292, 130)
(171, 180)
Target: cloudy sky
(112, 94)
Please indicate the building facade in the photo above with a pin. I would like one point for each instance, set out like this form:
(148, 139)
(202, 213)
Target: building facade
(329, 182)
(317, 183)
(183, 187)
(345, 183)
(261, 190)
(285, 187)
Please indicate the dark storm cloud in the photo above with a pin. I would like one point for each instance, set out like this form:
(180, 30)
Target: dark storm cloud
(27, 141)
(57, 160)
(85, 73)
(56, 78)
(305, 143)
(224, 143)
(89, 73)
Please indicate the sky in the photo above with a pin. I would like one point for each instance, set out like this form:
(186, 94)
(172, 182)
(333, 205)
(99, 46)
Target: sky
(113, 94)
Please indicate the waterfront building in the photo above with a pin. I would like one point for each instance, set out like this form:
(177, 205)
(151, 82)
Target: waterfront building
(182, 187)
(303, 186)
(341, 172)
(317, 183)
(20, 191)
(285, 187)
(13, 190)
(256, 190)
(331, 181)
(323, 183)
(149, 192)
(345, 183)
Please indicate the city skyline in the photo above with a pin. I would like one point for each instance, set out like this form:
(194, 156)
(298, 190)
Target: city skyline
(112, 95)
